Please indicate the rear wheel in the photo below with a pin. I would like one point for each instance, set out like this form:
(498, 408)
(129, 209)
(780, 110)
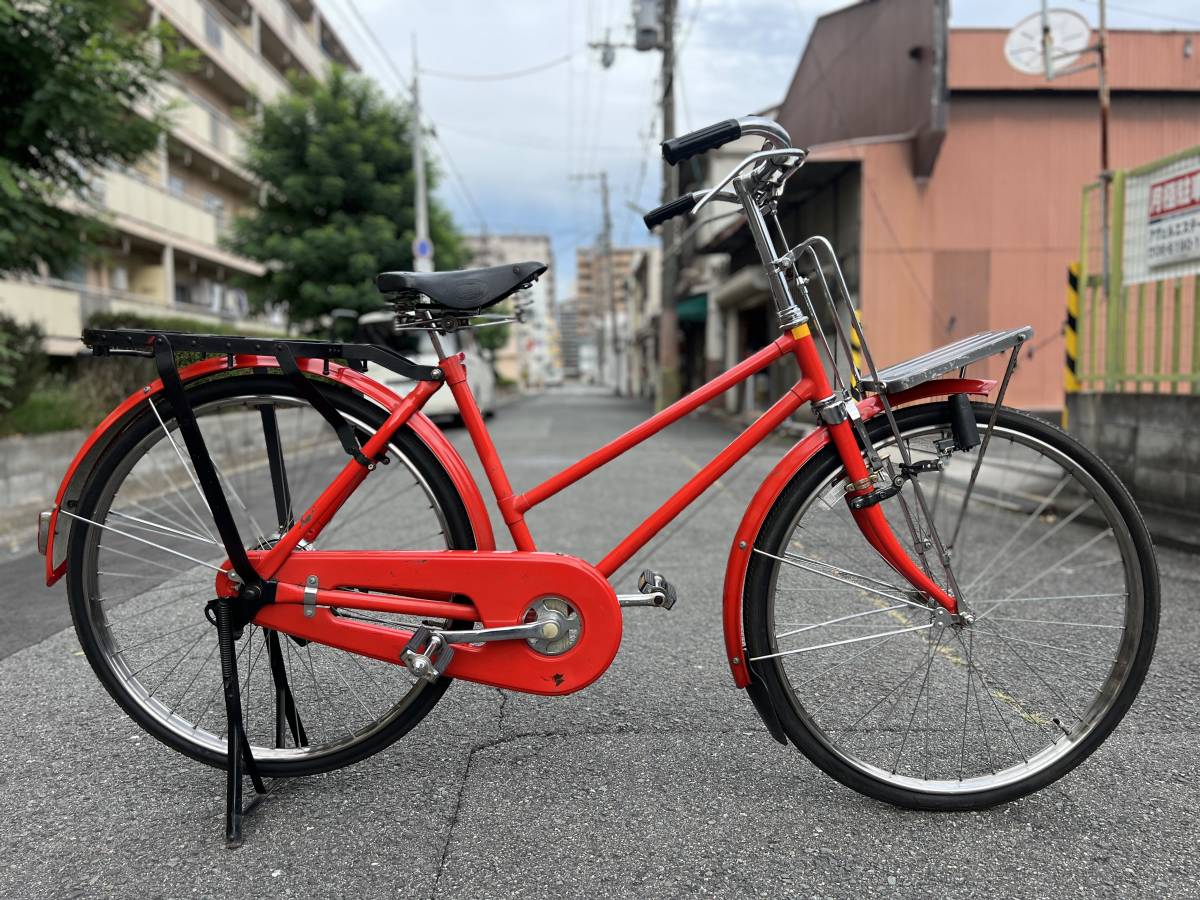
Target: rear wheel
(143, 549)
(1051, 557)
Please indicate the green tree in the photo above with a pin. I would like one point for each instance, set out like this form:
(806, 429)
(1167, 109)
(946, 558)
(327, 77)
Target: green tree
(73, 77)
(336, 161)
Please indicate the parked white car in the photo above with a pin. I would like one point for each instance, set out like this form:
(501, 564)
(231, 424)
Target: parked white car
(376, 328)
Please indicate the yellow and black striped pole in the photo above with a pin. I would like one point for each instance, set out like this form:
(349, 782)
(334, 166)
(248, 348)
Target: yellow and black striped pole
(1071, 338)
(856, 348)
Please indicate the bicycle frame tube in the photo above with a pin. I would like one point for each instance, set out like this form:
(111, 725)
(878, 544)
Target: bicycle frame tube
(813, 385)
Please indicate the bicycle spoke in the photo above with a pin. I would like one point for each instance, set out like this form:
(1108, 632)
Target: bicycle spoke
(179, 453)
(869, 637)
(154, 527)
(832, 577)
(1016, 535)
(133, 537)
(917, 704)
(869, 612)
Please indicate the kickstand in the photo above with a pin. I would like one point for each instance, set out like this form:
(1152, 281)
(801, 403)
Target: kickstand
(285, 703)
(241, 760)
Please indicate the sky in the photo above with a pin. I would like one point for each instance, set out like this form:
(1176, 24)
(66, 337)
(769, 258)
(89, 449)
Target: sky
(510, 148)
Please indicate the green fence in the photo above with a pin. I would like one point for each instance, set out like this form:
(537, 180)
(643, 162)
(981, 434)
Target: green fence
(1144, 336)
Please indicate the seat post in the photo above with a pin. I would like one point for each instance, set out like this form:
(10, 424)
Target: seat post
(435, 338)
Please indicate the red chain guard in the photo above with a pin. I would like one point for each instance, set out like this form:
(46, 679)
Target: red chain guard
(501, 585)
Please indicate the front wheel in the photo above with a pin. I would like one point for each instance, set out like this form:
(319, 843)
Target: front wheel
(1051, 557)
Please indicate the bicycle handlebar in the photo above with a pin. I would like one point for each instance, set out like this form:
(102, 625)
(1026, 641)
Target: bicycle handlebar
(677, 149)
(670, 210)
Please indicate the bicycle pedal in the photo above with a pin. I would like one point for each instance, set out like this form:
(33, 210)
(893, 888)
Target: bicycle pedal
(654, 585)
(430, 663)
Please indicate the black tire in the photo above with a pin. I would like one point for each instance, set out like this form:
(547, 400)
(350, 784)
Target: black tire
(458, 535)
(760, 630)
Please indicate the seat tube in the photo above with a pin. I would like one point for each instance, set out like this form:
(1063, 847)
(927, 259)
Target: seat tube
(456, 379)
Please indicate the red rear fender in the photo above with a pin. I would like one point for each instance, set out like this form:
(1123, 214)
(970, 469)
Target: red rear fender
(115, 422)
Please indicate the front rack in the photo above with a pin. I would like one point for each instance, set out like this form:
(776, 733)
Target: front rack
(935, 363)
(830, 283)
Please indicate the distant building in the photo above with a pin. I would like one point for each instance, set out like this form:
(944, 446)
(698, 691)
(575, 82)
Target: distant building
(577, 335)
(948, 183)
(643, 290)
(531, 357)
(591, 288)
(171, 211)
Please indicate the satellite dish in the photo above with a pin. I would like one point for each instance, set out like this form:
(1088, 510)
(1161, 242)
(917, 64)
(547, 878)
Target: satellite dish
(1026, 49)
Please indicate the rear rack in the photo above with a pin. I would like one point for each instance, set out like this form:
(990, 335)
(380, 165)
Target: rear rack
(134, 342)
(957, 355)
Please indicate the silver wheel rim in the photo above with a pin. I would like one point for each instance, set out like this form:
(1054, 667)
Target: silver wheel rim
(348, 699)
(1004, 626)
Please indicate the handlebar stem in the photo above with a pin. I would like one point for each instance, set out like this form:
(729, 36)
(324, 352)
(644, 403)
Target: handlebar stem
(790, 315)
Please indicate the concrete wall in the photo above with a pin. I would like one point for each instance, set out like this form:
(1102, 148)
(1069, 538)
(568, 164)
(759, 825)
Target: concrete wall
(1152, 441)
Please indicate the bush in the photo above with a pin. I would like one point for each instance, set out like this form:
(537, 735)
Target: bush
(53, 405)
(22, 361)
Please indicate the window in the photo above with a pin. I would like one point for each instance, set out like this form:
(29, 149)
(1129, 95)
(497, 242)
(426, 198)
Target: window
(216, 134)
(118, 278)
(175, 185)
(216, 206)
(237, 301)
(216, 296)
(183, 293)
(212, 28)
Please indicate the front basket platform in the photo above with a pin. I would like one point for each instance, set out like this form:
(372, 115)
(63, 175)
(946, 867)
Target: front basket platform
(945, 359)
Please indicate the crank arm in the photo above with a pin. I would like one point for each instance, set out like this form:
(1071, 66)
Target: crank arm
(547, 629)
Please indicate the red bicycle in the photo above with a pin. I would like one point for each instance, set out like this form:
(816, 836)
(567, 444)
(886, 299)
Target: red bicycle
(943, 602)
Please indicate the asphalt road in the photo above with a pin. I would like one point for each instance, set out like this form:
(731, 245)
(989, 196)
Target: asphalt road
(656, 781)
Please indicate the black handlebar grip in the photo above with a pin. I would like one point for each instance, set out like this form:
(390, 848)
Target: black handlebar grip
(676, 207)
(686, 146)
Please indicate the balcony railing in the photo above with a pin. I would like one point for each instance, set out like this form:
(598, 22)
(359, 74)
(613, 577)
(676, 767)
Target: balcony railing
(62, 309)
(209, 31)
(282, 20)
(158, 209)
(203, 122)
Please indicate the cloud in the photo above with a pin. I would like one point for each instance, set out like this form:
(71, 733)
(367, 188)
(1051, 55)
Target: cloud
(516, 143)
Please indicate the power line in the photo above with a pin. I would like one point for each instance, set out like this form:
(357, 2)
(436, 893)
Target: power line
(466, 192)
(428, 123)
(502, 76)
(382, 53)
(1162, 17)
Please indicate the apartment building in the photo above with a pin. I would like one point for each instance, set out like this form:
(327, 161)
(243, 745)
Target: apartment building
(591, 288)
(171, 211)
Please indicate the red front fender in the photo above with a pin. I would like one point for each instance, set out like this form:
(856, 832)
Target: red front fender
(81, 466)
(773, 485)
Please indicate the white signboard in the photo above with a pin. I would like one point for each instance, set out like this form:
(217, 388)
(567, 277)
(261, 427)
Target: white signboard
(1162, 222)
(1174, 220)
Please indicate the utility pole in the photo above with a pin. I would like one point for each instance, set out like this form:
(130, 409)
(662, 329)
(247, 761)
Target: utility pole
(606, 253)
(669, 381)
(1105, 174)
(654, 29)
(422, 246)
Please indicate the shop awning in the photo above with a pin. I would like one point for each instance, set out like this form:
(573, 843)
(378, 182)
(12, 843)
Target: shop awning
(693, 308)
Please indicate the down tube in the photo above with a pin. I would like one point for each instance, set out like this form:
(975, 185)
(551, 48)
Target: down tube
(799, 394)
